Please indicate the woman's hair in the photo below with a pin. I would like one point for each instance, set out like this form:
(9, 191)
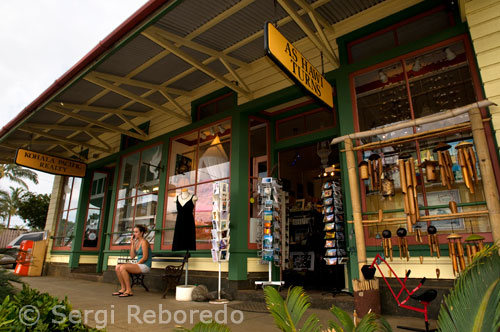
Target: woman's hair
(141, 228)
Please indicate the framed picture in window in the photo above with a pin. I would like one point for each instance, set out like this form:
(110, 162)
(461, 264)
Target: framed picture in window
(183, 164)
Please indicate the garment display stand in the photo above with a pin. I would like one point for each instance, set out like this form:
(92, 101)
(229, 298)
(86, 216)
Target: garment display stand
(220, 231)
(271, 212)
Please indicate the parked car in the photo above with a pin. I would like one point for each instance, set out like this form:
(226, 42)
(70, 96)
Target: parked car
(9, 258)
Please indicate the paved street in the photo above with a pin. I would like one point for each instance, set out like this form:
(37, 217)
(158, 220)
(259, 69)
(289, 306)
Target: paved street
(131, 314)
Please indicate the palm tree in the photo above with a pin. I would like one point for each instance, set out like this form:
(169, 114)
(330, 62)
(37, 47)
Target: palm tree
(17, 173)
(9, 202)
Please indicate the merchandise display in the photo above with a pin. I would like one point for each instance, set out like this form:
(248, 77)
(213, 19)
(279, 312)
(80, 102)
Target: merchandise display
(334, 223)
(220, 222)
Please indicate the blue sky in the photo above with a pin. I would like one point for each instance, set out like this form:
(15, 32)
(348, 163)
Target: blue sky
(42, 39)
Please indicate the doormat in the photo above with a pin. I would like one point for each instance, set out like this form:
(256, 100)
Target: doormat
(250, 307)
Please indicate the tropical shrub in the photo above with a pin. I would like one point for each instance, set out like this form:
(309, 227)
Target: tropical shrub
(6, 280)
(12, 309)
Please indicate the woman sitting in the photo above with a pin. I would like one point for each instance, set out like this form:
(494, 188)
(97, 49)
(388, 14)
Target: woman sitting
(139, 247)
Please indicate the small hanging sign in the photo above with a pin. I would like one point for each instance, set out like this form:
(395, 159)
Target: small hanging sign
(293, 63)
(50, 164)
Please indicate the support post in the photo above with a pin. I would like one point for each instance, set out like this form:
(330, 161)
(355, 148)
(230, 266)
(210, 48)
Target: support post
(356, 205)
(487, 174)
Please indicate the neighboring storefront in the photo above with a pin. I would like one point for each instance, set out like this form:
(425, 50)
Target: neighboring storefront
(167, 111)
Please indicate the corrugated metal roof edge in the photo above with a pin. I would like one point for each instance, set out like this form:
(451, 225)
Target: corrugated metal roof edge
(103, 46)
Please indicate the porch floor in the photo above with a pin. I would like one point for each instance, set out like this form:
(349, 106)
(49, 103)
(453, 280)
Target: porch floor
(89, 295)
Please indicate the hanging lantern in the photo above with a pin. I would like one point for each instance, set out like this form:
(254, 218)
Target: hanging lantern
(433, 241)
(363, 170)
(456, 252)
(473, 244)
(403, 243)
(387, 243)
(431, 173)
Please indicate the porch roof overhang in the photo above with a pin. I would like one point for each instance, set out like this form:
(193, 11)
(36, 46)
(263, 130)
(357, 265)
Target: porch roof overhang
(158, 61)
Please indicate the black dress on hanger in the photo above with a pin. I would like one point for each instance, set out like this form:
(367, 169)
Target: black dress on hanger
(185, 233)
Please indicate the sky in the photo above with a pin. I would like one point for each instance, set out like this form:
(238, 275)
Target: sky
(40, 40)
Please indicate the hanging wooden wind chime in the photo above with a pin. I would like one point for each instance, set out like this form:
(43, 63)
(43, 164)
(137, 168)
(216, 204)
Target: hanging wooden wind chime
(431, 173)
(473, 244)
(409, 189)
(403, 243)
(387, 243)
(445, 164)
(375, 169)
(467, 161)
(433, 241)
(456, 252)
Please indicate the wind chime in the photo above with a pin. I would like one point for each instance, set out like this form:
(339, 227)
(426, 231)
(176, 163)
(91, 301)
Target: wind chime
(418, 233)
(363, 170)
(387, 243)
(445, 164)
(375, 169)
(456, 252)
(409, 189)
(467, 162)
(433, 241)
(473, 244)
(403, 244)
(431, 173)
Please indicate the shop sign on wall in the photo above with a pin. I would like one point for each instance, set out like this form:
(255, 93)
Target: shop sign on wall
(50, 164)
(293, 63)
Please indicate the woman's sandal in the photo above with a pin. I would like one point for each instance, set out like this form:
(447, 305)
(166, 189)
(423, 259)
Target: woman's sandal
(117, 293)
(125, 295)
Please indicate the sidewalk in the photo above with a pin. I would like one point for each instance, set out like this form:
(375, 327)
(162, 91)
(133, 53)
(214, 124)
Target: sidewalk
(91, 296)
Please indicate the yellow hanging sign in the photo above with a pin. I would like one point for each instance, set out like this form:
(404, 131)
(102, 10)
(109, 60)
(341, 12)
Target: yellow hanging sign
(50, 164)
(286, 56)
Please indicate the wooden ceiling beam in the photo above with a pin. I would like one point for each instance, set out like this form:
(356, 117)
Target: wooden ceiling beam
(297, 18)
(60, 110)
(151, 31)
(66, 128)
(133, 96)
(197, 64)
(234, 74)
(100, 109)
(65, 140)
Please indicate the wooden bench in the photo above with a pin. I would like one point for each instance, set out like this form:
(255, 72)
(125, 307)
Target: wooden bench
(172, 273)
(135, 278)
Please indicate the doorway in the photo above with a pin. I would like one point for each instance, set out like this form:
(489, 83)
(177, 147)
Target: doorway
(302, 174)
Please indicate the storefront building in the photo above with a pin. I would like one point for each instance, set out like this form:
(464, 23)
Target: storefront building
(182, 95)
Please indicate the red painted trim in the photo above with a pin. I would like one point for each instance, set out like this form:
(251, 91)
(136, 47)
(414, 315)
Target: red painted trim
(134, 198)
(304, 115)
(106, 44)
(103, 208)
(393, 27)
(199, 246)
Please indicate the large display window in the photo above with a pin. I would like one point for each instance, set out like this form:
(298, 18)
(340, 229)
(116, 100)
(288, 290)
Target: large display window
(95, 211)
(137, 196)
(196, 160)
(63, 238)
(423, 83)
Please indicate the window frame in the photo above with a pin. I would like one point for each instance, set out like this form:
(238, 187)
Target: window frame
(304, 115)
(199, 245)
(117, 199)
(62, 211)
(477, 86)
(230, 94)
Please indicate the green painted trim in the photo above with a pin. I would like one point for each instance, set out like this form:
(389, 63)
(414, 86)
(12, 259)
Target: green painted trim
(98, 62)
(426, 208)
(161, 198)
(213, 95)
(112, 202)
(299, 141)
(239, 195)
(81, 214)
(415, 251)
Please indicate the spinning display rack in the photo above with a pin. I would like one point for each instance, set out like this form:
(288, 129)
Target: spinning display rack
(334, 224)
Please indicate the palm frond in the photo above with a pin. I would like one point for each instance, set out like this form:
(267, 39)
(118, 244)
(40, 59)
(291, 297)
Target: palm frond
(343, 317)
(288, 313)
(369, 323)
(473, 304)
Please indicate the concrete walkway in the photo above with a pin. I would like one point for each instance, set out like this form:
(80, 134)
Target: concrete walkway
(143, 311)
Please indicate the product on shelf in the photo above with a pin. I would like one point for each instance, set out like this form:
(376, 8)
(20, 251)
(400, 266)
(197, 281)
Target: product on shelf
(334, 224)
(220, 222)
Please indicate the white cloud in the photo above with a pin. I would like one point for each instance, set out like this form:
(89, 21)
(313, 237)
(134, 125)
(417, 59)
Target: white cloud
(43, 39)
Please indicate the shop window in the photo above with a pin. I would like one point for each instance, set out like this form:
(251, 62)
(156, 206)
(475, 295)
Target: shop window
(67, 216)
(412, 87)
(216, 106)
(305, 123)
(258, 168)
(95, 210)
(405, 32)
(196, 161)
(137, 196)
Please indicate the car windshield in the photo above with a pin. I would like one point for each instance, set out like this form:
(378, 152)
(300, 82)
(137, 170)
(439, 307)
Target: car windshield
(32, 237)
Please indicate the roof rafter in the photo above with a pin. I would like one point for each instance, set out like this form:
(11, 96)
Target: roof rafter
(63, 127)
(60, 110)
(105, 84)
(100, 109)
(197, 64)
(64, 139)
(193, 45)
(297, 18)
